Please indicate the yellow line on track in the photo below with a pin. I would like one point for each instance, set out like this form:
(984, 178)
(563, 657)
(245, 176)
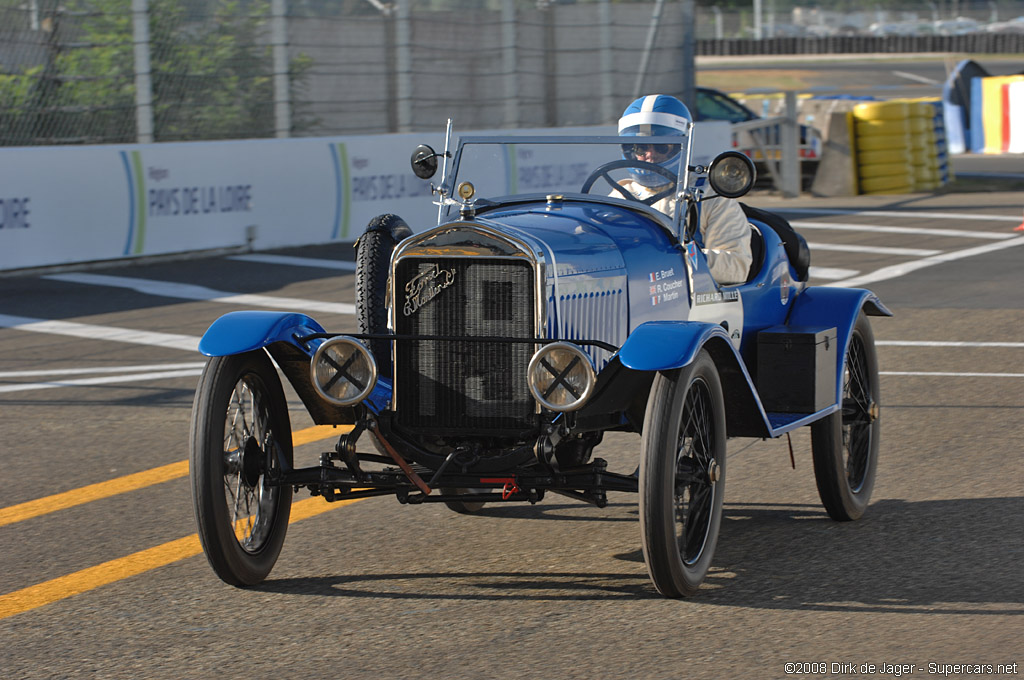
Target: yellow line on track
(90, 578)
(133, 482)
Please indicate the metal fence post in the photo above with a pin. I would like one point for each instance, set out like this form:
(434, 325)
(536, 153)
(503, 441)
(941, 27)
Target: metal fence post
(652, 35)
(508, 62)
(403, 65)
(788, 140)
(689, 61)
(604, 13)
(547, 12)
(143, 82)
(282, 88)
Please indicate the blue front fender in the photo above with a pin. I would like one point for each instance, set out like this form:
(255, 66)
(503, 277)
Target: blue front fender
(238, 332)
(664, 345)
(667, 345)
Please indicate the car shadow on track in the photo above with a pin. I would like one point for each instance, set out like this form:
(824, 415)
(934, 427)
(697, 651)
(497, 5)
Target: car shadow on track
(503, 585)
(957, 556)
(927, 557)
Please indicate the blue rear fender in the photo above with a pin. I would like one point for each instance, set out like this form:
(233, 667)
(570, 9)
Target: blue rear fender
(238, 332)
(826, 307)
(668, 345)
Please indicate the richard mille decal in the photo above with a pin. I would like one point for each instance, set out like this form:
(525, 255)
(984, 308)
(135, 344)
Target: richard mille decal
(716, 297)
(425, 286)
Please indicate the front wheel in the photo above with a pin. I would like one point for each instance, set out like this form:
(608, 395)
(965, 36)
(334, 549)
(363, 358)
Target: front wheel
(682, 476)
(240, 441)
(845, 444)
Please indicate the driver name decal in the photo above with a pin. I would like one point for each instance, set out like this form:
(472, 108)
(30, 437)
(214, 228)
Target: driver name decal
(425, 286)
(661, 289)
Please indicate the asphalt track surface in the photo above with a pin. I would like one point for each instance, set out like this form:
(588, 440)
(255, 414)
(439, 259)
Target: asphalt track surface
(103, 576)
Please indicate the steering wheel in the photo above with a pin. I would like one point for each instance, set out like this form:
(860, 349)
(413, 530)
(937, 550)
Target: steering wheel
(602, 173)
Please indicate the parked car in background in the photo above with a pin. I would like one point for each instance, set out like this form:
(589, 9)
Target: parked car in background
(716, 105)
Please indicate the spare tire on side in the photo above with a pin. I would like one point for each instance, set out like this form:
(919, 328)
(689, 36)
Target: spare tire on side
(373, 259)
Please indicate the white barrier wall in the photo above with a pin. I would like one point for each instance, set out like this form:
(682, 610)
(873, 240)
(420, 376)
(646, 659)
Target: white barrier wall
(62, 205)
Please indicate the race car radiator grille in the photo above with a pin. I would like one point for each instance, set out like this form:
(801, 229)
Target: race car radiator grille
(452, 386)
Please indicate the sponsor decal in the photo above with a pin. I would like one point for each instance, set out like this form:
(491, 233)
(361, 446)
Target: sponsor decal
(342, 191)
(14, 213)
(425, 286)
(716, 297)
(197, 200)
(691, 254)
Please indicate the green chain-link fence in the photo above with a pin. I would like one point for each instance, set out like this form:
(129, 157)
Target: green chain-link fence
(116, 71)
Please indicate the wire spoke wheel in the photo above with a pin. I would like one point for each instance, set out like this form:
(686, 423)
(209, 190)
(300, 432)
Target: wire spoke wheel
(682, 476)
(845, 444)
(241, 442)
(247, 436)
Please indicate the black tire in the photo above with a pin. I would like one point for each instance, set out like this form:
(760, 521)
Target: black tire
(682, 476)
(845, 444)
(463, 507)
(373, 260)
(238, 417)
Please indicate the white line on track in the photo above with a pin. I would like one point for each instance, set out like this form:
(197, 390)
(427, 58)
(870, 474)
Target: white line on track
(945, 343)
(874, 228)
(944, 374)
(100, 369)
(898, 270)
(843, 248)
(187, 291)
(105, 380)
(831, 273)
(292, 261)
(915, 78)
(189, 343)
(894, 213)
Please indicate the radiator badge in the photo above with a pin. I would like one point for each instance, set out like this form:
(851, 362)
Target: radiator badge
(425, 286)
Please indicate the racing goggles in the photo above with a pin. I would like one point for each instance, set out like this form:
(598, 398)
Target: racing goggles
(635, 150)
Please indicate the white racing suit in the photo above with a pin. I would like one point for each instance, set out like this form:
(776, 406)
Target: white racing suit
(724, 231)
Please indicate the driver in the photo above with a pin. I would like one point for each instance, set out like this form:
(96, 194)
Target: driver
(724, 233)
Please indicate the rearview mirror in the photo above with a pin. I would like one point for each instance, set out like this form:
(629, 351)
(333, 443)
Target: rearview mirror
(732, 174)
(424, 162)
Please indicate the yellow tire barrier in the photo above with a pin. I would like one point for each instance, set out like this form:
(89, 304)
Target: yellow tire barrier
(920, 125)
(889, 184)
(920, 110)
(868, 171)
(888, 110)
(883, 156)
(921, 156)
(867, 128)
(883, 142)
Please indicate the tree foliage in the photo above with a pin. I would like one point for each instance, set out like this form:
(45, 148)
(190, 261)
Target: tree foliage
(211, 74)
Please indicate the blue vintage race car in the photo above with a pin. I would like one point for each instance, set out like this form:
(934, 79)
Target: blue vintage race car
(498, 346)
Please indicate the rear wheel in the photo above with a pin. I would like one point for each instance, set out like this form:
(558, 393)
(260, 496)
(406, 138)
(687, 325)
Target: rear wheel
(240, 440)
(845, 444)
(682, 476)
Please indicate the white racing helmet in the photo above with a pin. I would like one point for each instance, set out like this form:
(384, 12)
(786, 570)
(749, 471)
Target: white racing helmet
(655, 115)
